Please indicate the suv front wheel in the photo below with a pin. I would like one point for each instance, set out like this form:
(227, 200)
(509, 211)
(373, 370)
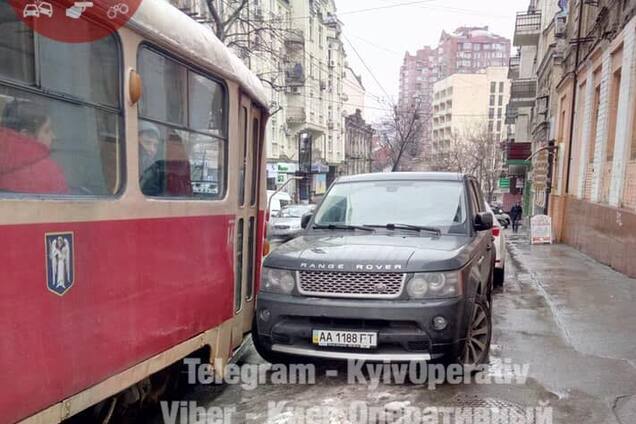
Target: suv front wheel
(477, 346)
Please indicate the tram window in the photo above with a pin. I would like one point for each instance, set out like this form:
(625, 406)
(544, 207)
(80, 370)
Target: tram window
(256, 131)
(164, 88)
(179, 163)
(238, 281)
(60, 135)
(251, 259)
(184, 159)
(206, 105)
(16, 48)
(85, 71)
(243, 128)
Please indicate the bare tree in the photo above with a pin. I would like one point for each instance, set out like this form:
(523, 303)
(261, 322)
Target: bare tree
(475, 152)
(249, 32)
(401, 133)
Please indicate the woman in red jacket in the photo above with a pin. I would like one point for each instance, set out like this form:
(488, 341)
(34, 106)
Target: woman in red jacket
(25, 141)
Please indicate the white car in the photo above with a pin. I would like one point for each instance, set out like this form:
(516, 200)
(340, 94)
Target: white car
(500, 248)
(277, 201)
(286, 224)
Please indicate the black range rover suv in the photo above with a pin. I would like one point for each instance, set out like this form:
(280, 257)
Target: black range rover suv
(392, 267)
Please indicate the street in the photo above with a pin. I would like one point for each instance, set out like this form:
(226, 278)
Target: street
(570, 319)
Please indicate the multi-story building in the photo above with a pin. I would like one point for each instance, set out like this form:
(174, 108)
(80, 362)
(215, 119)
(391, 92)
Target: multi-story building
(354, 92)
(520, 114)
(464, 104)
(315, 107)
(359, 145)
(469, 49)
(593, 202)
(300, 57)
(535, 71)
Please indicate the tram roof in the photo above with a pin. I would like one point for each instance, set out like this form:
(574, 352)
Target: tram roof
(170, 28)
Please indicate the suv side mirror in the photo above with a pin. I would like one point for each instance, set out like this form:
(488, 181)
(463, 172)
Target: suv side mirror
(483, 221)
(304, 221)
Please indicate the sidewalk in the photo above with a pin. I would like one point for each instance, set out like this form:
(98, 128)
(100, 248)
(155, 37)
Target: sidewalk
(592, 350)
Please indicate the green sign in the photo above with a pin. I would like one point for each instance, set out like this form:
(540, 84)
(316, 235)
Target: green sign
(504, 182)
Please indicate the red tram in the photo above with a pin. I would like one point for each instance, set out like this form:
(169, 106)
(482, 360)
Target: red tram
(131, 207)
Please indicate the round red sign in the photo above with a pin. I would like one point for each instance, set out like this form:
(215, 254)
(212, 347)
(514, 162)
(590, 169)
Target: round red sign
(75, 21)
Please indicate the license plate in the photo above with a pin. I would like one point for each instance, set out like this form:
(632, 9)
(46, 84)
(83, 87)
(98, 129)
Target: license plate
(337, 338)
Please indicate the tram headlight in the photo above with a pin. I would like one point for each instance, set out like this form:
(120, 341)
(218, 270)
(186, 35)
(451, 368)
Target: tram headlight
(432, 285)
(278, 280)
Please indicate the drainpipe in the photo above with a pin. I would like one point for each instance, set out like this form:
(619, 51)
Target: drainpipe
(574, 90)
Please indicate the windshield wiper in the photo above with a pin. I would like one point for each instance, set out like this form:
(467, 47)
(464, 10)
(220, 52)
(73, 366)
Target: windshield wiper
(418, 228)
(342, 227)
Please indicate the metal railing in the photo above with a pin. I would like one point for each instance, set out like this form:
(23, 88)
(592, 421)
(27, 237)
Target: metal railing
(527, 28)
(523, 91)
(514, 65)
(296, 115)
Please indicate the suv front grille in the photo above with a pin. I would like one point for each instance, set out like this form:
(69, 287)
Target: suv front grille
(374, 285)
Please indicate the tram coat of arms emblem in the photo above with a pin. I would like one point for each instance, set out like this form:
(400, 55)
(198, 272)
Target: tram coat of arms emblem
(60, 261)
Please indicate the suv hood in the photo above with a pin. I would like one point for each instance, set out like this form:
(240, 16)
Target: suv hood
(372, 253)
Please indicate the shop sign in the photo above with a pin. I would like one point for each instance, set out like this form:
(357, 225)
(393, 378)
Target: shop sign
(541, 229)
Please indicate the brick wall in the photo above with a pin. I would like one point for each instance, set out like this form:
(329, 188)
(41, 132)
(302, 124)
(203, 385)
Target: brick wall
(629, 195)
(589, 176)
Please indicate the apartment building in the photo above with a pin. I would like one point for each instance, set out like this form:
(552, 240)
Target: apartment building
(469, 49)
(468, 103)
(593, 201)
(303, 65)
(359, 146)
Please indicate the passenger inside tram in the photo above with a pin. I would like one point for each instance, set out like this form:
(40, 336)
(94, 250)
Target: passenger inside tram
(26, 135)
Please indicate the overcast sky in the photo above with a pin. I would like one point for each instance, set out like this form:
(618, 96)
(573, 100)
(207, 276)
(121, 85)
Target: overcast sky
(382, 36)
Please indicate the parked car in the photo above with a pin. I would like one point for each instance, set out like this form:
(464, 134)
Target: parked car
(276, 201)
(287, 223)
(502, 217)
(500, 246)
(392, 267)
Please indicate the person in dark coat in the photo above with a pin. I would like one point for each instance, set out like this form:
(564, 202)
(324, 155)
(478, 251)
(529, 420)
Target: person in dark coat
(516, 214)
(26, 166)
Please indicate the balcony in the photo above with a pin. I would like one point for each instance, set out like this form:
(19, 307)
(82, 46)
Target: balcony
(295, 75)
(513, 67)
(523, 92)
(527, 28)
(295, 38)
(296, 115)
(511, 115)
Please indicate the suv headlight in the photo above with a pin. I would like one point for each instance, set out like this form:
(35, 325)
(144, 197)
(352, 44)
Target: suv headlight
(278, 280)
(431, 285)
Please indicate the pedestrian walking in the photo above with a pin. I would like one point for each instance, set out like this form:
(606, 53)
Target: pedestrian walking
(516, 213)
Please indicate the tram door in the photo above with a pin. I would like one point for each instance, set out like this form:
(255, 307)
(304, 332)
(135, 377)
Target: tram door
(247, 217)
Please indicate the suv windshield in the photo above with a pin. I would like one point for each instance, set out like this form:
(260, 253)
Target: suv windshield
(438, 204)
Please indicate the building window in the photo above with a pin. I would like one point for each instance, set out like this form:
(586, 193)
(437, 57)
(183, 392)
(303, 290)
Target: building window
(615, 92)
(61, 126)
(501, 87)
(493, 87)
(492, 100)
(491, 113)
(595, 109)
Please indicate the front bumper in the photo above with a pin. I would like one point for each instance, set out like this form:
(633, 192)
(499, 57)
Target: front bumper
(405, 330)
